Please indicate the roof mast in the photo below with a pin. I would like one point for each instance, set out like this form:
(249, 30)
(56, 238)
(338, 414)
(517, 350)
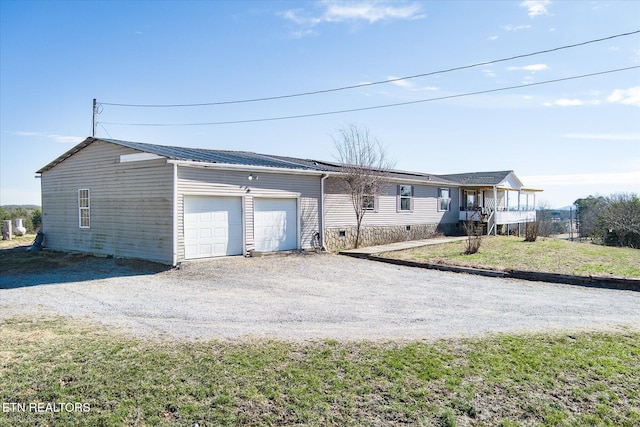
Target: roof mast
(95, 118)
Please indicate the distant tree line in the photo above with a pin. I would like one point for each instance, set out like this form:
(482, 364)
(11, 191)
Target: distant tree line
(613, 220)
(31, 216)
(552, 221)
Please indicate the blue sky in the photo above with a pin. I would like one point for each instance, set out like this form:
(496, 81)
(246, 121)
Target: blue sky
(571, 138)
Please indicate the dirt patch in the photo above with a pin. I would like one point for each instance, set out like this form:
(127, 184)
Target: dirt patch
(18, 260)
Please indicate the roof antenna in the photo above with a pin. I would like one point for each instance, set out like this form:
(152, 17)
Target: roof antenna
(95, 118)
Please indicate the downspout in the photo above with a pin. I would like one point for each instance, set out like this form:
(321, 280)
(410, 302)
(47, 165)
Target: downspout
(175, 215)
(495, 207)
(324, 176)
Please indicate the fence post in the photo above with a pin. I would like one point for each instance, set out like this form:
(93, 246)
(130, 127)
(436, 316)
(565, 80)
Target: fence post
(6, 229)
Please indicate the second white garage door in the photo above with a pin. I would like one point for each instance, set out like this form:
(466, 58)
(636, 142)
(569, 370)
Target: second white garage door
(212, 226)
(275, 224)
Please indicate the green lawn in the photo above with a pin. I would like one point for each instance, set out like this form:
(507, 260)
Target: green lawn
(544, 255)
(504, 380)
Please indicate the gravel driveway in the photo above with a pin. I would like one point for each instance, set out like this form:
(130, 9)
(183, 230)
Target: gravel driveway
(302, 296)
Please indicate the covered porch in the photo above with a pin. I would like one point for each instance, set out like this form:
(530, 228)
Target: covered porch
(496, 206)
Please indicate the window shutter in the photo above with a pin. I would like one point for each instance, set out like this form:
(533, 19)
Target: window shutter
(375, 203)
(398, 198)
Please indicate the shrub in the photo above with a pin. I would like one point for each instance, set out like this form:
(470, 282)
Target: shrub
(474, 236)
(36, 219)
(531, 231)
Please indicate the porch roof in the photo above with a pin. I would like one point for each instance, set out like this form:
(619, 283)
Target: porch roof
(479, 179)
(503, 180)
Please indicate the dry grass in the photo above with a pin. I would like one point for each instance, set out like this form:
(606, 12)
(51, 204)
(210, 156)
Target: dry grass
(508, 380)
(543, 255)
(22, 241)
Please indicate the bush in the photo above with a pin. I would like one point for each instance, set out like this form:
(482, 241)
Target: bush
(531, 231)
(36, 219)
(613, 220)
(474, 236)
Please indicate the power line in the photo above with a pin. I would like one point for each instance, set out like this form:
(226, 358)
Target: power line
(317, 92)
(326, 113)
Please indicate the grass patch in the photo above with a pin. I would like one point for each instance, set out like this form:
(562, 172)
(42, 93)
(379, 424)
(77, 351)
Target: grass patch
(543, 255)
(510, 380)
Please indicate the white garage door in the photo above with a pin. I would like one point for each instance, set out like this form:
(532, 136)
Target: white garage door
(212, 226)
(275, 224)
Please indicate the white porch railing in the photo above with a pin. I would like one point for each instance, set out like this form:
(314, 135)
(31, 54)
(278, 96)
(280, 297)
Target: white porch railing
(498, 217)
(514, 217)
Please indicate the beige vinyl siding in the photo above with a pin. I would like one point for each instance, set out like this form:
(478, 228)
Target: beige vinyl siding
(248, 221)
(131, 204)
(339, 209)
(215, 182)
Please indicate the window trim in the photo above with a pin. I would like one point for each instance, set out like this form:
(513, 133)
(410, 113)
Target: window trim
(86, 208)
(399, 198)
(441, 199)
(375, 203)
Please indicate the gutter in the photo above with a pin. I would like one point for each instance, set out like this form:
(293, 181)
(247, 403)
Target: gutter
(174, 261)
(324, 176)
(244, 168)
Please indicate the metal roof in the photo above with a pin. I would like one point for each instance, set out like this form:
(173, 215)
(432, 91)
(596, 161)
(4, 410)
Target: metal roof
(478, 178)
(244, 158)
(212, 156)
(194, 154)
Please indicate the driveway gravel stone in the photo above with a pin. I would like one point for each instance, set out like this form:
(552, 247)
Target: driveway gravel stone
(309, 296)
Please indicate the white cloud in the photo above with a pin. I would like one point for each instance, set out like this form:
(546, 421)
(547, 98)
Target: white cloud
(488, 73)
(604, 136)
(564, 102)
(492, 38)
(64, 138)
(344, 11)
(370, 11)
(402, 83)
(629, 96)
(21, 133)
(55, 137)
(582, 179)
(532, 67)
(407, 84)
(536, 7)
(515, 28)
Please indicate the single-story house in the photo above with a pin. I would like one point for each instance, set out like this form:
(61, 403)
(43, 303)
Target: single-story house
(170, 204)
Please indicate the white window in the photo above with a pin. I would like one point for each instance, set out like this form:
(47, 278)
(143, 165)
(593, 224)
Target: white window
(405, 198)
(444, 201)
(84, 206)
(369, 203)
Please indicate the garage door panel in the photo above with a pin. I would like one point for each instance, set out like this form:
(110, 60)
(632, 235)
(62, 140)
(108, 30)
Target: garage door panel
(212, 226)
(275, 224)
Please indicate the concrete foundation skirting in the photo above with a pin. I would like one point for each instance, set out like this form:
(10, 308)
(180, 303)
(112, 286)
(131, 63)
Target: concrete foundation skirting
(340, 238)
(620, 283)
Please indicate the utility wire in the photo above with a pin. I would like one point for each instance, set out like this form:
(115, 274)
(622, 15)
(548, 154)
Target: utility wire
(268, 119)
(271, 98)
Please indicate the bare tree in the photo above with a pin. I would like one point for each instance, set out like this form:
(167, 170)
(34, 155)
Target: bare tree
(365, 167)
(620, 219)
